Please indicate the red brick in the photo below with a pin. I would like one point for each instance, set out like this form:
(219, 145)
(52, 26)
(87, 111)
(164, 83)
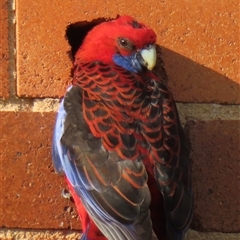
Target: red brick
(4, 83)
(200, 42)
(31, 191)
(215, 156)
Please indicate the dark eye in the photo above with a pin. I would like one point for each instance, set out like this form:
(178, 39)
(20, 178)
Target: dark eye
(125, 43)
(148, 46)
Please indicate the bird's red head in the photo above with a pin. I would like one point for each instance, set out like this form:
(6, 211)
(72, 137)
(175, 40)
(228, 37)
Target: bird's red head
(122, 36)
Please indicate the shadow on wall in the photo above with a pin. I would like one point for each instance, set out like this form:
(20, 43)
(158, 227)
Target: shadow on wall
(193, 82)
(76, 32)
(215, 174)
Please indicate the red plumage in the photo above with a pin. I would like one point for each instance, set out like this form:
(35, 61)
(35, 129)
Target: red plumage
(87, 223)
(100, 43)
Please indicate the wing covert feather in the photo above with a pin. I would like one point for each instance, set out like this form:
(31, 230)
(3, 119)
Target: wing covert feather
(111, 189)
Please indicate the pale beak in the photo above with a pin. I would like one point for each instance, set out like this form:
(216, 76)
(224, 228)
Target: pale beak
(149, 56)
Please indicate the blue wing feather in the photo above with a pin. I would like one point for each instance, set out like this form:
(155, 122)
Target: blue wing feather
(57, 151)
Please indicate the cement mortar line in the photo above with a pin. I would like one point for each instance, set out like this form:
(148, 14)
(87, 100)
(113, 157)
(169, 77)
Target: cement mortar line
(74, 235)
(36, 234)
(187, 111)
(12, 47)
(207, 112)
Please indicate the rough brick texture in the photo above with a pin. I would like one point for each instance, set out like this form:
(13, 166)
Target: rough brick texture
(4, 82)
(200, 50)
(200, 44)
(215, 155)
(31, 191)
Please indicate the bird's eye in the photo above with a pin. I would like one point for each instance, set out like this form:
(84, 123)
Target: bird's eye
(149, 46)
(125, 43)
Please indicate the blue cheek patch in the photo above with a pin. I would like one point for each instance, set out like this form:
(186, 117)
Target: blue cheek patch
(130, 63)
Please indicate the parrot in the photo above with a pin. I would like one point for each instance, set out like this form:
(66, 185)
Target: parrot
(119, 142)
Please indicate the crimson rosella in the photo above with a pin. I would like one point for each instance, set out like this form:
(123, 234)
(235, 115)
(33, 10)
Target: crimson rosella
(119, 142)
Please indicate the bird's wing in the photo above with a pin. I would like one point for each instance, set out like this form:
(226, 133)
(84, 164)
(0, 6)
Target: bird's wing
(113, 191)
(169, 152)
(133, 120)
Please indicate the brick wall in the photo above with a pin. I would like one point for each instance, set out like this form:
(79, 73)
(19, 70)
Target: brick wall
(200, 51)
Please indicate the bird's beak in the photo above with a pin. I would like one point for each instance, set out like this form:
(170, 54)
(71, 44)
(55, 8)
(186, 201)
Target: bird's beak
(149, 56)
